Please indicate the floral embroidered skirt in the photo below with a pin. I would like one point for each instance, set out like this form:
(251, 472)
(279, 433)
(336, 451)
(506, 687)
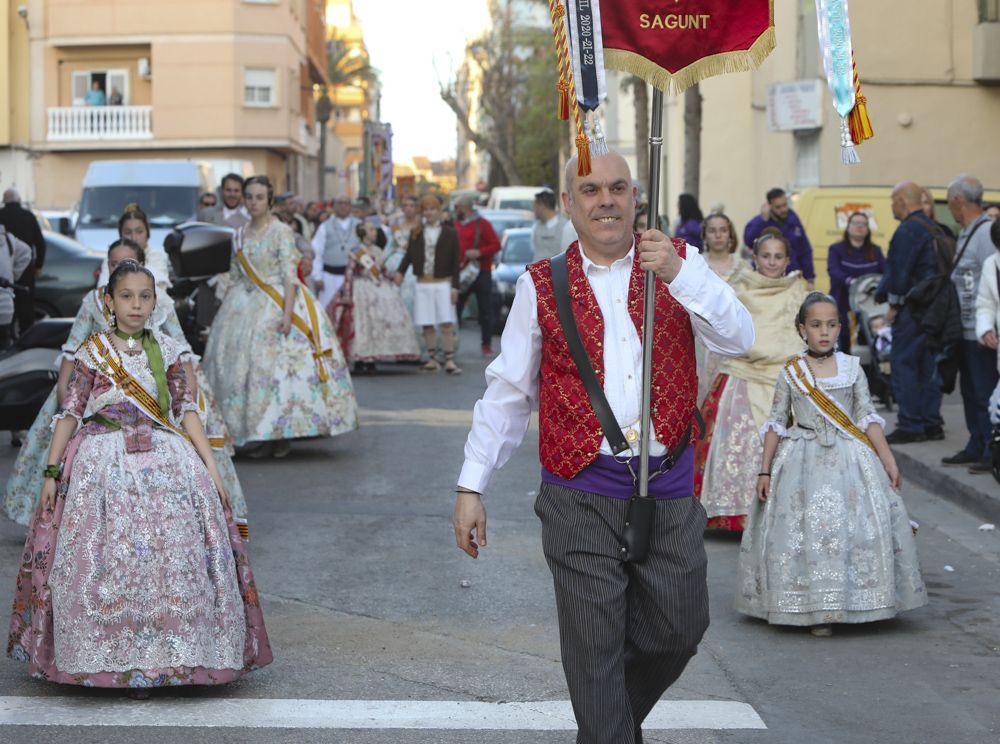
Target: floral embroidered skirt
(727, 458)
(138, 577)
(832, 543)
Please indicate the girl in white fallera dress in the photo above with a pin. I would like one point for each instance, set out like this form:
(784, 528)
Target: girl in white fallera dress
(828, 539)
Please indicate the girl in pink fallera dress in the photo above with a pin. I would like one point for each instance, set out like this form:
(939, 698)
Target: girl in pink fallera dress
(134, 573)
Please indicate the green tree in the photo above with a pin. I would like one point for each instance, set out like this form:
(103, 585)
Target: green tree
(517, 125)
(348, 65)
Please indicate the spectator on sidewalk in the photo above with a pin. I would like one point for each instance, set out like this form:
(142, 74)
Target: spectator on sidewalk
(689, 219)
(930, 209)
(911, 259)
(776, 213)
(988, 309)
(993, 211)
(477, 241)
(853, 257)
(23, 225)
(552, 231)
(977, 363)
(15, 257)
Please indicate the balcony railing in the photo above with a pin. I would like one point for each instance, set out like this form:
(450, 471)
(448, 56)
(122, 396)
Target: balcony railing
(100, 123)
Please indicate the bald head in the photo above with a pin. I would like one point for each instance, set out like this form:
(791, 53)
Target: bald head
(569, 172)
(11, 196)
(906, 199)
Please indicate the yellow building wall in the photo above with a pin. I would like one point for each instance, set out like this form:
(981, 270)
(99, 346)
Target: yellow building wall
(931, 120)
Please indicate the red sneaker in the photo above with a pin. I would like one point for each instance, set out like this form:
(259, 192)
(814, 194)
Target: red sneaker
(487, 350)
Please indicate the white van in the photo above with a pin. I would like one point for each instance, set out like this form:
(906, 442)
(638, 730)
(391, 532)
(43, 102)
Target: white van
(513, 197)
(167, 191)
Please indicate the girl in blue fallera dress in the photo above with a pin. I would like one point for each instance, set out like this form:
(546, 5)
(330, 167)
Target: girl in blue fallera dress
(828, 539)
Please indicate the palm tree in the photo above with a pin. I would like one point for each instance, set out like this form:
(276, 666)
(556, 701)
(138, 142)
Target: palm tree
(349, 66)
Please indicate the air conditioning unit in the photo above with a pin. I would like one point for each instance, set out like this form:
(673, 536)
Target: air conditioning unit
(145, 71)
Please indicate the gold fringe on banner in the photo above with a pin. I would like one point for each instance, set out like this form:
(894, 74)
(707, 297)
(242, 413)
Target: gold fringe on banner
(706, 67)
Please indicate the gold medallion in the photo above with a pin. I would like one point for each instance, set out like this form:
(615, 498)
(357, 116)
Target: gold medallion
(631, 436)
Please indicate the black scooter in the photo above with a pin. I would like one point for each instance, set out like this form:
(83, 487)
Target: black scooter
(30, 368)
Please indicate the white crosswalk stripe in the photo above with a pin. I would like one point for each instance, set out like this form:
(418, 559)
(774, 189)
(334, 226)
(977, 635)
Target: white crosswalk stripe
(353, 714)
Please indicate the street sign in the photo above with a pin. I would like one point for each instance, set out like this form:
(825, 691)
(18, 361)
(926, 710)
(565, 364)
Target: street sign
(795, 105)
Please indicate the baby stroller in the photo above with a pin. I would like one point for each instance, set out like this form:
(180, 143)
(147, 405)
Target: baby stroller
(872, 336)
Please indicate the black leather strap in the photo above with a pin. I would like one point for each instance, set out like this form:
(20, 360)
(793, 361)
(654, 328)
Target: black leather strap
(595, 391)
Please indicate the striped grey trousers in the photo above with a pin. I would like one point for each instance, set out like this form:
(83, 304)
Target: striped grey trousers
(626, 631)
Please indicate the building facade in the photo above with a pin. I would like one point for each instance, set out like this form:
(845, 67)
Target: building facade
(932, 79)
(227, 81)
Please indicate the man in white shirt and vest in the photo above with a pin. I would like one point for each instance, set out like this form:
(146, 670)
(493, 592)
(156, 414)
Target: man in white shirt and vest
(333, 243)
(627, 629)
(552, 232)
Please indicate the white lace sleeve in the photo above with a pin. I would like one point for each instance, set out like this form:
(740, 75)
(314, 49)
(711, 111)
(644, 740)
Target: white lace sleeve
(781, 408)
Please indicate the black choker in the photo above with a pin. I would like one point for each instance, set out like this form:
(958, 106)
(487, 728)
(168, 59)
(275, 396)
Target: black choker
(823, 355)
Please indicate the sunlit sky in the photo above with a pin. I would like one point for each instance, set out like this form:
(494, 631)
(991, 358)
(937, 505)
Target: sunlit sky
(414, 46)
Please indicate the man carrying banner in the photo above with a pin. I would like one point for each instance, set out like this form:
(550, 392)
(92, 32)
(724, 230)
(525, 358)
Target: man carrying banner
(627, 627)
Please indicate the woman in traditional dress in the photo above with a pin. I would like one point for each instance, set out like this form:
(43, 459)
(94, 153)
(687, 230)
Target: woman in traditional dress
(25, 483)
(133, 573)
(720, 243)
(134, 225)
(371, 321)
(271, 356)
(740, 397)
(828, 538)
(432, 252)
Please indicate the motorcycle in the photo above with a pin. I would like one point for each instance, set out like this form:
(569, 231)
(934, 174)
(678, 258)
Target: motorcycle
(198, 252)
(30, 368)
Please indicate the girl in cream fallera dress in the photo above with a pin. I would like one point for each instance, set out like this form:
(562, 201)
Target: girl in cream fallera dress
(274, 387)
(828, 540)
(739, 398)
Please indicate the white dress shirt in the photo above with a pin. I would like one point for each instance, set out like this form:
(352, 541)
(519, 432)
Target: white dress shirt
(501, 417)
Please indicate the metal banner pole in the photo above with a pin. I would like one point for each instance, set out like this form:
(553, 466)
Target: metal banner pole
(655, 146)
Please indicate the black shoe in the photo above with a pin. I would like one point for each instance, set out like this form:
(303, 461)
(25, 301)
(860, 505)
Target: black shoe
(980, 467)
(934, 433)
(905, 437)
(959, 458)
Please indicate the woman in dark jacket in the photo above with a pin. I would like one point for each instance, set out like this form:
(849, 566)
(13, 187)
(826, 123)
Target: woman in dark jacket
(689, 220)
(854, 256)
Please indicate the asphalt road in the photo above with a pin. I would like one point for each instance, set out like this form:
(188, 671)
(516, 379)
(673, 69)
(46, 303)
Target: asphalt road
(353, 550)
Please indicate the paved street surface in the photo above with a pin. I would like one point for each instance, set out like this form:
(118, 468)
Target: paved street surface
(353, 550)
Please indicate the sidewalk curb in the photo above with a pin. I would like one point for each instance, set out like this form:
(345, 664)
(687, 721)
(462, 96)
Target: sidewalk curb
(938, 482)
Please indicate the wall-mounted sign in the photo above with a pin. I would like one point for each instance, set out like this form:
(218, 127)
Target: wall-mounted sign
(795, 105)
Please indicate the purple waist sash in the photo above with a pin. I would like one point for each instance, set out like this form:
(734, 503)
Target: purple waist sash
(133, 423)
(608, 477)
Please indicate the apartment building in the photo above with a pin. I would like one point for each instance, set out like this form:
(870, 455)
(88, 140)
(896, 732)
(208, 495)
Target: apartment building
(218, 80)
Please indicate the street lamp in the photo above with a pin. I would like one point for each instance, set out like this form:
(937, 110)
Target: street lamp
(323, 109)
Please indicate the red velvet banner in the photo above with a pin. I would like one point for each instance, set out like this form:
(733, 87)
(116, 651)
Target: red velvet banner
(676, 43)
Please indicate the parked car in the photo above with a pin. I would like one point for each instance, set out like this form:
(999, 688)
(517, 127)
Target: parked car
(513, 197)
(515, 254)
(504, 219)
(70, 271)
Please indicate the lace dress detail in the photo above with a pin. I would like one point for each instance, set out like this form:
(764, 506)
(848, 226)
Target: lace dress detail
(832, 543)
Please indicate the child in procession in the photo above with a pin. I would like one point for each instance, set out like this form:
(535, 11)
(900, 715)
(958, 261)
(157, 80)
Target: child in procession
(828, 538)
(134, 573)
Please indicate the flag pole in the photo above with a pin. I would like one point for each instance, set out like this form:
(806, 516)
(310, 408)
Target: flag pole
(655, 146)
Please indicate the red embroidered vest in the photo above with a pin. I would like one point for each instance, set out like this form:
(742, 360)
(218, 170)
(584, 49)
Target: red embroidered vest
(569, 431)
